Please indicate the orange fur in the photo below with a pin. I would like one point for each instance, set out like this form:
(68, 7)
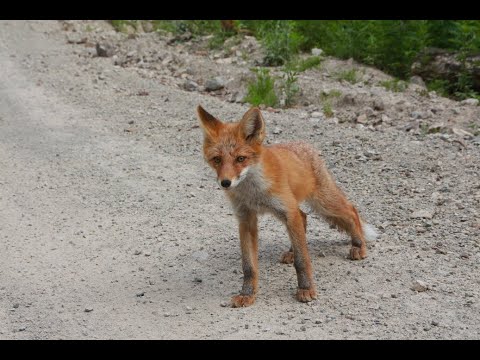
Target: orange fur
(275, 179)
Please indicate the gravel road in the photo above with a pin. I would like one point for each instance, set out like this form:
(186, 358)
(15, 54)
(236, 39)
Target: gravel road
(113, 227)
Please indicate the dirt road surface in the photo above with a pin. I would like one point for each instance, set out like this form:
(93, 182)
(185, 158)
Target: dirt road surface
(112, 226)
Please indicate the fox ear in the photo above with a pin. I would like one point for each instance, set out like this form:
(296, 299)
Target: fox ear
(209, 123)
(253, 125)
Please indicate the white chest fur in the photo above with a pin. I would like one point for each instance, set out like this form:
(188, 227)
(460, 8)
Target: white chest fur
(252, 194)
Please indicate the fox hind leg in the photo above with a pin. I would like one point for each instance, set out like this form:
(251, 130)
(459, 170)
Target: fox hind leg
(340, 213)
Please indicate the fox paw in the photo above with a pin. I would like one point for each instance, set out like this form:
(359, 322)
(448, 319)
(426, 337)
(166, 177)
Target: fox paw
(242, 300)
(287, 257)
(358, 253)
(306, 295)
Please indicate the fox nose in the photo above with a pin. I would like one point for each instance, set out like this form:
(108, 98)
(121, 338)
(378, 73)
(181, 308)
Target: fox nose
(226, 183)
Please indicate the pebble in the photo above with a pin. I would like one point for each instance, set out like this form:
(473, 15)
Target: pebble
(190, 85)
(316, 114)
(317, 52)
(277, 131)
(137, 252)
(419, 286)
(76, 39)
(197, 280)
(88, 309)
(303, 328)
(425, 214)
(216, 83)
(362, 119)
(104, 50)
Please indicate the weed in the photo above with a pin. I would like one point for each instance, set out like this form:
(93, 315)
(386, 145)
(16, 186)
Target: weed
(327, 109)
(395, 85)
(262, 90)
(348, 75)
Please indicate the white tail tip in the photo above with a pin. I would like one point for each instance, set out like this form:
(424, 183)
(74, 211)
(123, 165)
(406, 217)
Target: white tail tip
(370, 232)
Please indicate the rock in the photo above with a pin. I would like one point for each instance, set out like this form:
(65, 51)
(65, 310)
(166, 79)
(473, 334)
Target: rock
(471, 102)
(137, 252)
(316, 114)
(436, 127)
(386, 119)
(317, 52)
(378, 104)
(104, 50)
(76, 38)
(303, 328)
(16, 305)
(277, 131)
(417, 115)
(88, 309)
(368, 111)
(197, 280)
(200, 256)
(462, 133)
(362, 119)
(22, 328)
(190, 85)
(140, 294)
(147, 26)
(238, 96)
(417, 80)
(425, 214)
(216, 83)
(419, 286)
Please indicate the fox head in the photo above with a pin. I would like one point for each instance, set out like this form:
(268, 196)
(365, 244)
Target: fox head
(231, 149)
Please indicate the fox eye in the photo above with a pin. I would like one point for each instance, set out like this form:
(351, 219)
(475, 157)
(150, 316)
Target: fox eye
(217, 159)
(241, 158)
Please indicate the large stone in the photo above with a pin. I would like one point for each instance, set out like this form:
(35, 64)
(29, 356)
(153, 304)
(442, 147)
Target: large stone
(472, 102)
(104, 50)
(216, 83)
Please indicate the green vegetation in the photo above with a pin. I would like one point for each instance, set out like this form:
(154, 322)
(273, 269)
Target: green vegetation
(324, 96)
(348, 75)
(395, 85)
(327, 109)
(301, 65)
(262, 90)
(290, 86)
(390, 45)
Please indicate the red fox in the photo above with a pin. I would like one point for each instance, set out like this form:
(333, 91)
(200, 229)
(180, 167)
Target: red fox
(276, 179)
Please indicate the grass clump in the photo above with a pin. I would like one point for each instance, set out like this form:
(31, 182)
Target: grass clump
(348, 75)
(395, 85)
(262, 89)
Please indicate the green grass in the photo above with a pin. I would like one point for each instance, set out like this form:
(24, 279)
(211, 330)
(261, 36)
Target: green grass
(348, 75)
(327, 109)
(262, 90)
(330, 95)
(395, 85)
(301, 65)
